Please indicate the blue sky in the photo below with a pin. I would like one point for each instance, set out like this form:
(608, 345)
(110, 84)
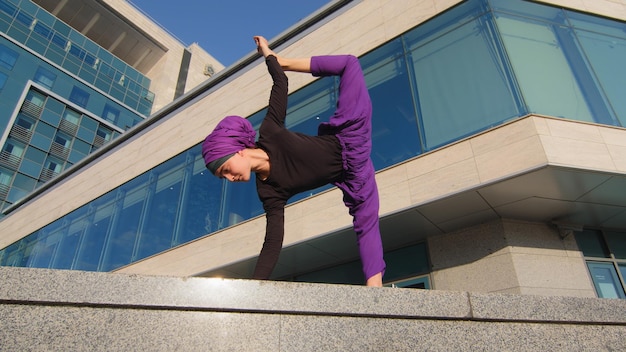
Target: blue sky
(224, 28)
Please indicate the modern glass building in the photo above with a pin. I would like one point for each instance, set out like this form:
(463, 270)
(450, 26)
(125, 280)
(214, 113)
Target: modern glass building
(498, 137)
(62, 94)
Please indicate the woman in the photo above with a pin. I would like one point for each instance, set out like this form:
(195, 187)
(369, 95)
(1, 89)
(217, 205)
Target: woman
(287, 163)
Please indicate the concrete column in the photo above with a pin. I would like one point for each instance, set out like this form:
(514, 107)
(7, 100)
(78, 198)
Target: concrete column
(509, 256)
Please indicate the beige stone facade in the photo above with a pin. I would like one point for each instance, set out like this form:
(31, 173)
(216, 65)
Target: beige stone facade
(164, 72)
(509, 257)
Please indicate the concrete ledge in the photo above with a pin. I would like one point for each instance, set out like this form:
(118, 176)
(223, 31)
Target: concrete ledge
(547, 309)
(70, 310)
(43, 286)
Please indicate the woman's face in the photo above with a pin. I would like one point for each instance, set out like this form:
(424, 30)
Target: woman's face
(235, 169)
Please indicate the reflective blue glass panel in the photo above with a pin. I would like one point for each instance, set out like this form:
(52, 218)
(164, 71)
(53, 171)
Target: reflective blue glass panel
(605, 55)
(463, 84)
(555, 77)
(3, 80)
(91, 242)
(311, 105)
(8, 57)
(126, 207)
(200, 205)
(395, 132)
(617, 243)
(591, 244)
(163, 199)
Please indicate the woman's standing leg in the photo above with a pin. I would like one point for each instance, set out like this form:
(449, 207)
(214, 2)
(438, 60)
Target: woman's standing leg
(351, 123)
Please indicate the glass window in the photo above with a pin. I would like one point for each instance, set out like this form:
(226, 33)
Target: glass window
(54, 165)
(8, 8)
(15, 194)
(35, 155)
(91, 243)
(395, 133)
(59, 40)
(71, 116)
(159, 224)
(606, 55)
(33, 104)
(422, 282)
(110, 113)
(605, 280)
(119, 248)
(8, 57)
(36, 98)
(592, 244)
(104, 133)
(85, 134)
(50, 118)
(617, 243)
(199, 209)
(63, 140)
(24, 182)
(30, 168)
(81, 147)
(89, 123)
(11, 254)
(55, 105)
(462, 83)
(43, 30)
(3, 80)
(14, 147)
(537, 51)
(348, 274)
(45, 129)
(68, 244)
(24, 122)
(45, 77)
(79, 97)
(6, 176)
(610, 245)
(407, 262)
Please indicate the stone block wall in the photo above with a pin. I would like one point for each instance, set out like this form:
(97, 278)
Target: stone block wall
(50, 310)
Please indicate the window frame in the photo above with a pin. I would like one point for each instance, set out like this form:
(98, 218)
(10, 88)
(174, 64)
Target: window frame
(616, 264)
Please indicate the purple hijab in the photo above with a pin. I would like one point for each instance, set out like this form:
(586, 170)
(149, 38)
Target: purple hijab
(231, 135)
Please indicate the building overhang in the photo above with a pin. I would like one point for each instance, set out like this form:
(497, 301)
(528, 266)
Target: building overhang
(111, 29)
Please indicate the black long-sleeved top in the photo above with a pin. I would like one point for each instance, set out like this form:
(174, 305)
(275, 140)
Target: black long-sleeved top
(298, 162)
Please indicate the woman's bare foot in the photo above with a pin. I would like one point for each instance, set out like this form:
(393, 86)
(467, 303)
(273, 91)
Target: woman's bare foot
(375, 281)
(262, 46)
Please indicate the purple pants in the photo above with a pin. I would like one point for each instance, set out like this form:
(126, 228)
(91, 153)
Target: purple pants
(352, 124)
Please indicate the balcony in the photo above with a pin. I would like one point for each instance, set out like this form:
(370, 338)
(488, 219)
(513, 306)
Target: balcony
(9, 160)
(47, 174)
(4, 191)
(68, 127)
(98, 141)
(31, 109)
(59, 150)
(21, 133)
